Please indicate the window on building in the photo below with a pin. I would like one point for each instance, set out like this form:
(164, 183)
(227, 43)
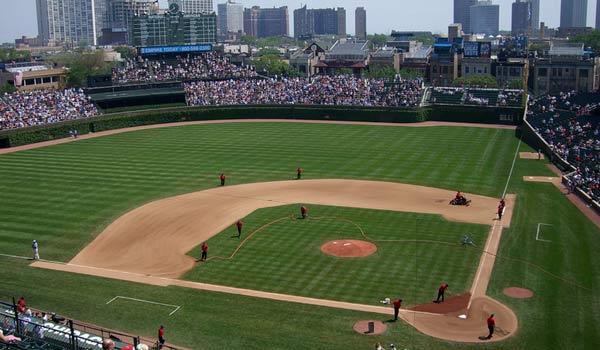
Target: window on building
(466, 69)
(543, 72)
(584, 73)
(29, 82)
(47, 80)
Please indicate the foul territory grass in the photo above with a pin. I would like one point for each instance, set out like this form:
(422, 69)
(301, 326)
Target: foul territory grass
(285, 257)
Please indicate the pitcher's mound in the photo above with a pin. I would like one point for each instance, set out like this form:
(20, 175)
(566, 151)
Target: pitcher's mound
(362, 327)
(518, 293)
(349, 248)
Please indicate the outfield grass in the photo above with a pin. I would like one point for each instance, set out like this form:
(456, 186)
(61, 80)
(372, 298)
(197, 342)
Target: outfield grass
(286, 257)
(64, 195)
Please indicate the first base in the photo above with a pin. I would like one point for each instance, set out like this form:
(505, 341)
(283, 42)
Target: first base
(464, 317)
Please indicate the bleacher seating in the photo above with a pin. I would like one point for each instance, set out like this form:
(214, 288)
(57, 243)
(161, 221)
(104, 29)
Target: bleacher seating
(475, 97)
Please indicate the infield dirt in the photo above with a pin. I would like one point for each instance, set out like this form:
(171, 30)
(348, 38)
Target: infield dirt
(149, 244)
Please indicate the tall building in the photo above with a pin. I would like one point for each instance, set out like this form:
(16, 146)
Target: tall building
(194, 7)
(67, 21)
(230, 17)
(308, 22)
(120, 16)
(522, 17)
(485, 18)
(573, 13)
(598, 14)
(266, 22)
(535, 14)
(360, 22)
(462, 13)
(174, 28)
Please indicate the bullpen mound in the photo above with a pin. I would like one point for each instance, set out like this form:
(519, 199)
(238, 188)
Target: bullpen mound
(518, 293)
(349, 248)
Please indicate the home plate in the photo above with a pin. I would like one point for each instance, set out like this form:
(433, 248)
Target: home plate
(463, 316)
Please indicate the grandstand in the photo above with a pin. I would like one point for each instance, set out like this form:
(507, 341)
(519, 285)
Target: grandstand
(569, 131)
(475, 97)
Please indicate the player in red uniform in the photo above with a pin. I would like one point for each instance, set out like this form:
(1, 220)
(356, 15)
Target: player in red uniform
(223, 177)
(204, 252)
(239, 225)
(441, 292)
(491, 323)
(161, 336)
(500, 210)
(299, 173)
(303, 211)
(397, 304)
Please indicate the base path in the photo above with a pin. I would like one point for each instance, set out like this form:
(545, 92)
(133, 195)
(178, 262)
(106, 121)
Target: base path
(154, 239)
(149, 244)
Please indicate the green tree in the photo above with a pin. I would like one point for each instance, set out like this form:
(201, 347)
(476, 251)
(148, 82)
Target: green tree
(272, 65)
(9, 55)
(591, 39)
(410, 74)
(126, 52)
(482, 81)
(381, 72)
(377, 40)
(81, 65)
(267, 51)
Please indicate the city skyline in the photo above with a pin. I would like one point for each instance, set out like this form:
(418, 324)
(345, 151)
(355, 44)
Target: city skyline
(19, 17)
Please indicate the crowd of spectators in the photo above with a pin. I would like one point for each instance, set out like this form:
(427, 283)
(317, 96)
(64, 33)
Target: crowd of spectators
(203, 66)
(476, 96)
(573, 135)
(30, 108)
(342, 90)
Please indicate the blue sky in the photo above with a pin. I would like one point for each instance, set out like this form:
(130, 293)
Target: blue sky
(19, 17)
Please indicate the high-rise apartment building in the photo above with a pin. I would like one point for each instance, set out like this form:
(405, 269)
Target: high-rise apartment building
(485, 18)
(308, 22)
(360, 22)
(266, 22)
(194, 7)
(67, 21)
(462, 13)
(598, 14)
(573, 13)
(535, 14)
(230, 18)
(522, 17)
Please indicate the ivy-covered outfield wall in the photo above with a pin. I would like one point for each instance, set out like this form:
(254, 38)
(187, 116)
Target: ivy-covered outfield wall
(12, 138)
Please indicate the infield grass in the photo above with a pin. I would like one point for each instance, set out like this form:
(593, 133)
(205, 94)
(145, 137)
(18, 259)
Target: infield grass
(285, 257)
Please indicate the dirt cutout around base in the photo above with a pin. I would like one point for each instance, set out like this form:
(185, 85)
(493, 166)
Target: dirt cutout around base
(517, 293)
(531, 155)
(456, 303)
(349, 248)
(362, 327)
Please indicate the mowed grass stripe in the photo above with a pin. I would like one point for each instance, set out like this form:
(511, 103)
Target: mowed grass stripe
(286, 257)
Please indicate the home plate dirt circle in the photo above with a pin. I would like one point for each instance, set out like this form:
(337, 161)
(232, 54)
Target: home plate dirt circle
(518, 293)
(348, 248)
(362, 327)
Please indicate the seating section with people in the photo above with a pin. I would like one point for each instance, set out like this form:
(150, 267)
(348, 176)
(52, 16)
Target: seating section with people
(207, 66)
(341, 90)
(30, 108)
(476, 96)
(563, 121)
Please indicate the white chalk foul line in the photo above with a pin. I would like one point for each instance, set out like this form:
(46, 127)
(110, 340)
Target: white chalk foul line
(177, 307)
(511, 169)
(537, 235)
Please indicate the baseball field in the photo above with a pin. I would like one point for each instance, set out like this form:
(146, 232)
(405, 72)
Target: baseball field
(140, 203)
